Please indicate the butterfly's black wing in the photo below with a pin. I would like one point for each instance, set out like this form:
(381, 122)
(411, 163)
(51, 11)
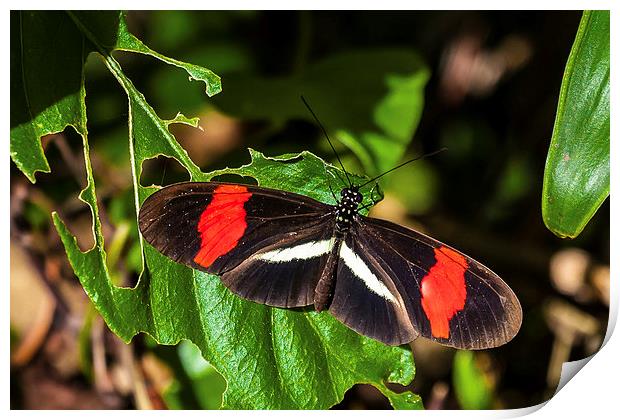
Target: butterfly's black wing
(391, 283)
(268, 246)
(366, 299)
(422, 286)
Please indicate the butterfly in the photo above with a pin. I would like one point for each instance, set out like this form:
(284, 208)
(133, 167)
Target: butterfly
(287, 250)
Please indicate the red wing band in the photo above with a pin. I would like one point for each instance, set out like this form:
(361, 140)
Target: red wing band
(443, 290)
(222, 223)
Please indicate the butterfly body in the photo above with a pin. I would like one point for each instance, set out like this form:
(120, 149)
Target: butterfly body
(346, 211)
(288, 250)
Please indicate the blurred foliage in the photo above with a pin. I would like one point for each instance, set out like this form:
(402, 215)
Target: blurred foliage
(421, 175)
(473, 390)
(576, 178)
(207, 385)
(482, 195)
(373, 100)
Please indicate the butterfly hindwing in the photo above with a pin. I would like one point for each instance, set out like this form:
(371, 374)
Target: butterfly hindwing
(267, 246)
(365, 297)
(282, 272)
(449, 297)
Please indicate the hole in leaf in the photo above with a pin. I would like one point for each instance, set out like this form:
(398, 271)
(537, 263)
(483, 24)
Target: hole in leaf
(235, 179)
(124, 255)
(363, 397)
(218, 136)
(59, 190)
(163, 171)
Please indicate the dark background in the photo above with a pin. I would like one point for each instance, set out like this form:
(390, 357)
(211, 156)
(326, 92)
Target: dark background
(491, 100)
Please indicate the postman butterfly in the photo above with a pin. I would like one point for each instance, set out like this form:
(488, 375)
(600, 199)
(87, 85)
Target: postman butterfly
(287, 250)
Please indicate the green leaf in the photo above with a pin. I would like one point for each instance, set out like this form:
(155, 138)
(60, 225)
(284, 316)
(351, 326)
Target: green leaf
(576, 180)
(47, 92)
(127, 42)
(270, 358)
(371, 99)
(48, 52)
(472, 389)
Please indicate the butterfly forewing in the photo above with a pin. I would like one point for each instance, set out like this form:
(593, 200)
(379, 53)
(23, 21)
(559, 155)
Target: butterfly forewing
(267, 246)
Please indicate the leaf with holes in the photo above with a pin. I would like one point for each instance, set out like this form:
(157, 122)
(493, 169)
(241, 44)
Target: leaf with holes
(270, 358)
(48, 52)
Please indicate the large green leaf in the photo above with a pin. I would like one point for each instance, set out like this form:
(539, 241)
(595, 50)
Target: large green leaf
(48, 51)
(576, 180)
(270, 358)
(371, 99)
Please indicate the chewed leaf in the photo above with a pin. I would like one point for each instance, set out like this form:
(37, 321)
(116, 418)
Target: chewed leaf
(265, 348)
(128, 42)
(46, 102)
(270, 358)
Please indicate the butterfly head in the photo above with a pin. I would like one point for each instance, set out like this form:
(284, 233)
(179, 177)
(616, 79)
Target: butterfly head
(350, 198)
(351, 195)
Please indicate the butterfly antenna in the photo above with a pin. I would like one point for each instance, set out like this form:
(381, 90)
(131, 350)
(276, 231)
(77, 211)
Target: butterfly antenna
(328, 140)
(443, 149)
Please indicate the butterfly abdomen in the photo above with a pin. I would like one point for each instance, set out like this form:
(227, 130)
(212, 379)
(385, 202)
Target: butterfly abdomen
(324, 290)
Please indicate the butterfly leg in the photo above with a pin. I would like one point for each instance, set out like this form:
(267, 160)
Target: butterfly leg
(372, 198)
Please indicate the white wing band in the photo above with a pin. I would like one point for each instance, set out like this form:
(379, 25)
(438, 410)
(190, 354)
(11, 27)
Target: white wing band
(361, 270)
(299, 252)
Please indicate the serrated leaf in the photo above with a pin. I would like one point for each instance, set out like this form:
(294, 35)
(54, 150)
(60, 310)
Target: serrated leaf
(48, 52)
(372, 99)
(576, 180)
(270, 358)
